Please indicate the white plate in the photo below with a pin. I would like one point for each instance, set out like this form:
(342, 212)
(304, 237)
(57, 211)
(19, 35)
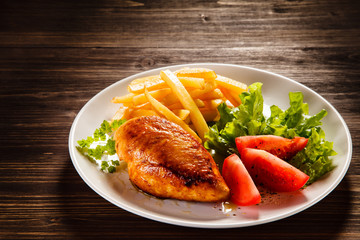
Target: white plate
(117, 189)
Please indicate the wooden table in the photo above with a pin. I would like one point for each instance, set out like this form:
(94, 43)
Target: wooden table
(56, 55)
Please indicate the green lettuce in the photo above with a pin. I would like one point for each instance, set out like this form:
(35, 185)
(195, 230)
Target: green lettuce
(314, 159)
(248, 119)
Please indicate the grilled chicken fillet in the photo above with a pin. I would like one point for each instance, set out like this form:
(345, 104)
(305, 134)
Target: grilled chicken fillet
(167, 162)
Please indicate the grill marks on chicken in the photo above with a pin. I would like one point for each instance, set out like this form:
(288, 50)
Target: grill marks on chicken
(167, 162)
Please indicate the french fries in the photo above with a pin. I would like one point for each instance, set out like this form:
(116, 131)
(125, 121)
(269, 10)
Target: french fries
(230, 84)
(142, 112)
(188, 97)
(151, 83)
(196, 72)
(157, 94)
(235, 101)
(186, 100)
(170, 115)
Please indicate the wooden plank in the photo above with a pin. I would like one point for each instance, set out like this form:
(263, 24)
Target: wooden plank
(56, 55)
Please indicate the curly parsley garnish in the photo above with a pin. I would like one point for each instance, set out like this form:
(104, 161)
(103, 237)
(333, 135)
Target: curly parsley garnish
(100, 147)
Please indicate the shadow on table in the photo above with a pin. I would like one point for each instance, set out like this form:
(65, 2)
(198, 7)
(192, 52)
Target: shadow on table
(86, 215)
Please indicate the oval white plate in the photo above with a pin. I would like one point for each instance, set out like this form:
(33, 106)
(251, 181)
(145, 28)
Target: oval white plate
(117, 189)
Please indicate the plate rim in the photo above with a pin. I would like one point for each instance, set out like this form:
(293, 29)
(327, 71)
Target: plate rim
(215, 223)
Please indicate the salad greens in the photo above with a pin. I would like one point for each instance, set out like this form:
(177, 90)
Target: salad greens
(248, 119)
(100, 147)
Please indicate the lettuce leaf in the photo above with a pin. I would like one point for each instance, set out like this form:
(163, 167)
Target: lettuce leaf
(314, 159)
(248, 119)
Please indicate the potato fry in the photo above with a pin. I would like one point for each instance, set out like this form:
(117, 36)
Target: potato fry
(235, 96)
(200, 103)
(197, 73)
(229, 97)
(196, 93)
(122, 113)
(143, 112)
(162, 109)
(178, 104)
(158, 94)
(192, 82)
(230, 84)
(155, 82)
(215, 94)
(128, 98)
(128, 104)
(184, 97)
(209, 114)
(170, 99)
(174, 106)
(138, 85)
(182, 113)
(146, 106)
(187, 120)
(213, 103)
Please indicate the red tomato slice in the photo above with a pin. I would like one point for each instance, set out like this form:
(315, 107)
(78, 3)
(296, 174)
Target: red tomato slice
(242, 188)
(283, 148)
(272, 172)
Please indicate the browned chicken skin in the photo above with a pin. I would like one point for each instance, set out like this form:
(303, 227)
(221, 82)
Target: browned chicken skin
(167, 162)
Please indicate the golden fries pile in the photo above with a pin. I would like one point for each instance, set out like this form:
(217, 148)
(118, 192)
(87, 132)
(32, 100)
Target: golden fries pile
(188, 97)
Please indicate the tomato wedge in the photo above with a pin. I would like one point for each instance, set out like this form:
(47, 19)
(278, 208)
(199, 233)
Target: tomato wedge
(283, 148)
(272, 172)
(242, 188)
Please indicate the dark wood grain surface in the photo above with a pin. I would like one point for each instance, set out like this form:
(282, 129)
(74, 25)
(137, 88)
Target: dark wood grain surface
(56, 55)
